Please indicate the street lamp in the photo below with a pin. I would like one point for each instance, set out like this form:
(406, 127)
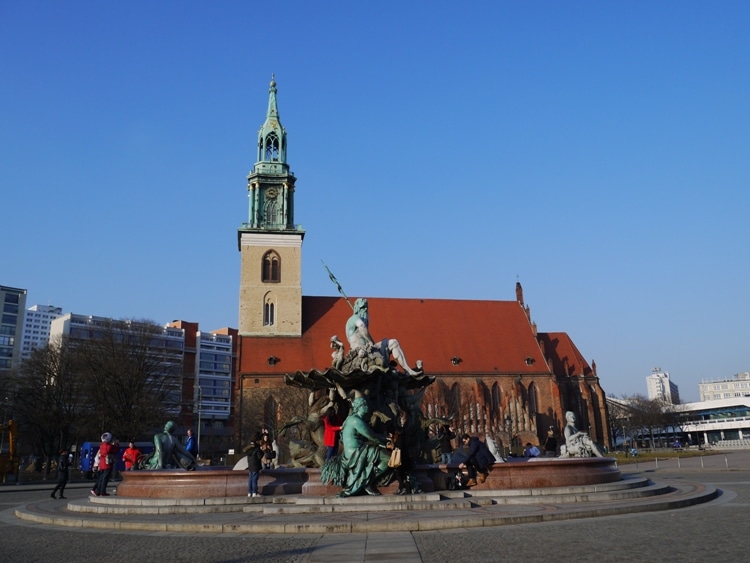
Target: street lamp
(509, 430)
(200, 405)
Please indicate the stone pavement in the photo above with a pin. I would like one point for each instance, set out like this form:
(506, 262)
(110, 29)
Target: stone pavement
(714, 531)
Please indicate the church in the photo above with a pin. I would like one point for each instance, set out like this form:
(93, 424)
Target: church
(495, 373)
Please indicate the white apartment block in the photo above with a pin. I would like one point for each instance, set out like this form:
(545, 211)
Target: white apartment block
(36, 327)
(660, 387)
(713, 390)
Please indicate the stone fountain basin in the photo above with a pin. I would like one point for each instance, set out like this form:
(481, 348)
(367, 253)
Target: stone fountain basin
(218, 482)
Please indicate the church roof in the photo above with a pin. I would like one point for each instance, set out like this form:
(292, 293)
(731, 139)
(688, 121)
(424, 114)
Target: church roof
(489, 337)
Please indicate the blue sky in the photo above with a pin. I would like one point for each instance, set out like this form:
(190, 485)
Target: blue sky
(595, 151)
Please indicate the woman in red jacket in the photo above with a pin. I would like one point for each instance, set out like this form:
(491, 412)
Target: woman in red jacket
(331, 432)
(108, 449)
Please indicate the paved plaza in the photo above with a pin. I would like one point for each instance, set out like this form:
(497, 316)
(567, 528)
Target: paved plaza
(712, 531)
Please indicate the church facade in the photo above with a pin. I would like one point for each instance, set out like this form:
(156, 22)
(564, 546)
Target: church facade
(495, 373)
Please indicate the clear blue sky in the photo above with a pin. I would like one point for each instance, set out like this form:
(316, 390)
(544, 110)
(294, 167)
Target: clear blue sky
(595, 151)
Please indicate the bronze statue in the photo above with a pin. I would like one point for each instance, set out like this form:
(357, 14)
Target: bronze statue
(168, 452)
(365, 458)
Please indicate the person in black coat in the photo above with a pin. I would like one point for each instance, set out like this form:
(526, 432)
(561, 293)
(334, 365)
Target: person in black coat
(63, 464)
(478, 460)
(254, 465)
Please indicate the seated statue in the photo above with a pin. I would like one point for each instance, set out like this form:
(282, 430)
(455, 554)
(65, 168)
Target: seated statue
(360, 340)
(168, 452)
(364, 460)
(577, 443)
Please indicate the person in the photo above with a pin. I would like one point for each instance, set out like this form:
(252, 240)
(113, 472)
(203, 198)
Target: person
(331, 432)
(479, 460)
(364, 459)
(254, 465)
(531, 450)
(550, 443)
(397, 439)
(577, 443)
(445, 447)
(358, 334)
(130, 457)
(191, 445)
(169, 452)
(108, 449)
(337, 356)
(266, 446)
(63, 465)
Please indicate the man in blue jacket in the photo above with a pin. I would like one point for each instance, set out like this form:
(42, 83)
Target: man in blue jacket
(478, 460)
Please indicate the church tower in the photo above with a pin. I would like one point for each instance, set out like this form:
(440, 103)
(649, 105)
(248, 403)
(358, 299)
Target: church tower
(270, 243)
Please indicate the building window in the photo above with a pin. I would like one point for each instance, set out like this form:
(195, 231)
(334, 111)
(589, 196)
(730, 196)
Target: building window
(269, 312)
(271, 267)
(272, 147)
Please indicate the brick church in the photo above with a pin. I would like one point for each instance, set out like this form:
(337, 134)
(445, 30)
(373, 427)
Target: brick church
(495, 373)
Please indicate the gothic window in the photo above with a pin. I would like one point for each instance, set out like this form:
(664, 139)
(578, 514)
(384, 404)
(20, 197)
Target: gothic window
(272, 147)
(533, 400)
(269, 312)
(496, 400)
(271, 267)
(270, 212)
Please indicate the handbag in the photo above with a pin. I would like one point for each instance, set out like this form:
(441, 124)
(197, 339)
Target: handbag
(395, 460)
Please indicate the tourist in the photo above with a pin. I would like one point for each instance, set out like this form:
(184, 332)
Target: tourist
(479, 460)
(190, 444)
(63, 464)
(445, 447)
(397, 439)
(108, 449)
(331, 432)
(130, 457)
(531, 450)
(254, 465)
(550, 443)
(266, 446)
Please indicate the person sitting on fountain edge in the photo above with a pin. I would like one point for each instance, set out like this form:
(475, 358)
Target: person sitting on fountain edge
(479, 459)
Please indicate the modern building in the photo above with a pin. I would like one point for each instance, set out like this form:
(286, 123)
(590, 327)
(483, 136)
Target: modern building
(36, 327)
(495, 374)
(13, 301)
(661, 388)
(207, 384)
(169, 345)
(715, 421)
(715, 389)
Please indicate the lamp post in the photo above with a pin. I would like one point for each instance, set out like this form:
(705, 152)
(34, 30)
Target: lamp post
(200, 406)
(509, 430)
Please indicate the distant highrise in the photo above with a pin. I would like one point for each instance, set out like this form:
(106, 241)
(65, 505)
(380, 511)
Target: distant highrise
(662, 388)
(36, 327)
(13, 302)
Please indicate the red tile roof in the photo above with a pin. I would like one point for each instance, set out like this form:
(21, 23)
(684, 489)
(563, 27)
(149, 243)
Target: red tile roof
(566, 358)
(490, 337)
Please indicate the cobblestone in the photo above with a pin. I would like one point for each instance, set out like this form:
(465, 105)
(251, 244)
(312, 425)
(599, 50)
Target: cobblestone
(715, 531)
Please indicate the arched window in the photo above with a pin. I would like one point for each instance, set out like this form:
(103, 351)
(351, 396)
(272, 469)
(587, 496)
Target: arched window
(272, 147)
(533, 400)
(271, 267)
(271, 212)
(269, 311)
(496, 399)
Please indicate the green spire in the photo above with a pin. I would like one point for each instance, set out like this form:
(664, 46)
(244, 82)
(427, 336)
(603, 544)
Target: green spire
(272, 136)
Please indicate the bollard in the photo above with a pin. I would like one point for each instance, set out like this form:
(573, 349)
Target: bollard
(701, 462)
(656, 459)
(726, 462)
(678, 462)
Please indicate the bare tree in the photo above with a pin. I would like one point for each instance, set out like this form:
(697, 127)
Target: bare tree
(50, 404)
(133, 375)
